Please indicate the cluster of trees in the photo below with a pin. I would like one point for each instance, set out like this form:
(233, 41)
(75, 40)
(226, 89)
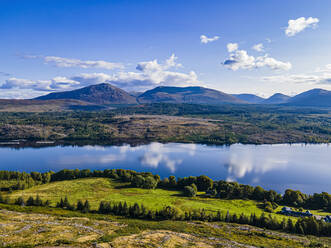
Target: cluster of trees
(144, 180)
(315, 201)
(14, 180)
(233, 190)
(84, 207)
(31, 201)
(306, 226)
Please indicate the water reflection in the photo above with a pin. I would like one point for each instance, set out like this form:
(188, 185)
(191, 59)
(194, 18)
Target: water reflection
(242, 162)
(303, 167)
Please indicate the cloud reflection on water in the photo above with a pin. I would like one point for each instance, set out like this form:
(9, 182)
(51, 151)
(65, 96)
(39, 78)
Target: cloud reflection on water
(244, 162)
(152, 155)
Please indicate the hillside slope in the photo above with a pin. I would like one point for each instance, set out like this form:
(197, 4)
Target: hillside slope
(314, 97)
(251, 98)
(277, 98)
(197, 95)
(100, 94)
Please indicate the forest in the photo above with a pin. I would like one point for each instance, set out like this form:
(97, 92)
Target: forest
(189, 123)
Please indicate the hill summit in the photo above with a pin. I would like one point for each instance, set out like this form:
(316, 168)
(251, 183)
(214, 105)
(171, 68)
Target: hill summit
(101, 94)
(193, 94)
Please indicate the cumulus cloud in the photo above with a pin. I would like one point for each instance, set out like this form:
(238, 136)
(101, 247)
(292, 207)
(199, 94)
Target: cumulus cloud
(232, 47)
(240, 59)
(272, 63)
(85, 64)
(258, 47)
(204, 39)
(300, 24)
(152, 73)
(148, 74)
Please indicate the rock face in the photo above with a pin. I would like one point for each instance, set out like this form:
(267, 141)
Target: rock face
(198, 95)
(99, 94)
(314, 97)
(277, 98)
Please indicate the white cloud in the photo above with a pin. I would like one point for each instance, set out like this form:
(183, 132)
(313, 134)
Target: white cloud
(232, 47)
(309, 78)
(258, 47)
(57, 83)
(300, 24)
(85, 64)
(152, 73)
(272, 63)
(148, 75)
(321, 75)
(204, 39)
(20, 83)
(239, 59)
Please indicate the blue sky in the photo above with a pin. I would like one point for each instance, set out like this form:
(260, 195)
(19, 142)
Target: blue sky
(59, 45)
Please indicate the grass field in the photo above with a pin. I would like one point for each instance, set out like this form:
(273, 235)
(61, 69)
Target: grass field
(98, 189)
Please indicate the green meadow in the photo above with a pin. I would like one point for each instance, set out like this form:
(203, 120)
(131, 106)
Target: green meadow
(103, 189)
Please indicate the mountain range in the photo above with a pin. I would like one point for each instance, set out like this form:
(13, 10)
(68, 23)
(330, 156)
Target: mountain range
(108, 94)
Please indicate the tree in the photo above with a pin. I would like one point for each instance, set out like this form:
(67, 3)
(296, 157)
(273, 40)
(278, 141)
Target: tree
(138, 181)
(189, 191)
(204, 183)
(38, 201)
(172, 181)
(19, 201)
(86, 207)
(30, 201)
(258, 193)
(150, 183)
(80, 205)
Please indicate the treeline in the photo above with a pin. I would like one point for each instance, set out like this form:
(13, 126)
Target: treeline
(305, 226)
(188, 185)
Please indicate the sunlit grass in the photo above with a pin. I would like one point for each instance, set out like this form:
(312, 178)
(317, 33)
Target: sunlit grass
(100, 189)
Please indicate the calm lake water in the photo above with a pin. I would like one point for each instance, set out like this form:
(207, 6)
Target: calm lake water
(303, 167)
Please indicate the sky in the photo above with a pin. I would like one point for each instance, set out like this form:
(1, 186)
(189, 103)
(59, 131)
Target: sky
(235, 46)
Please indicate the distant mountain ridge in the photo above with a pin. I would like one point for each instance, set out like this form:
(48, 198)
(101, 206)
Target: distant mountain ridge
(193, 94)
(314, 97)
(277, 98)
(108, 94)
(251, 98)
(101, 94)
